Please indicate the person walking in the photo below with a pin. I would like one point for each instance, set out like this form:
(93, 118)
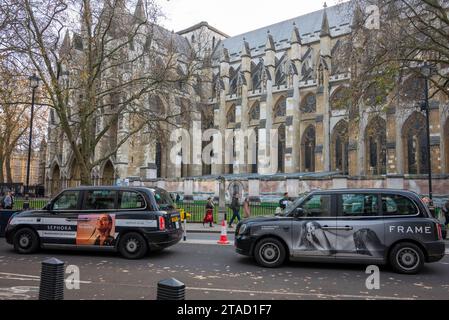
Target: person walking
(8, 201)
(246, 208)
(235, 207)
(283, 203)
(446, 212)
(209, 217)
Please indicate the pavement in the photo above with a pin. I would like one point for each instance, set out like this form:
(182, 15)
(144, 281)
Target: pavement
(200, 228)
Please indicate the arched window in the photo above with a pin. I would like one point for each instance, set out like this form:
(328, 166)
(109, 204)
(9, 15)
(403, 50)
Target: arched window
(253, 148)
(308, 149)
(233, 77)
(55, 181)
(254, 112)
(339, 151)
(376, 146)
(280, 108)
(340, 99)
(412, 89)
(108, 174)
(374, 95)
(308, 104)
(230, 116)
(415, 144)
(156, 105)
(281, 149)
(158, 159)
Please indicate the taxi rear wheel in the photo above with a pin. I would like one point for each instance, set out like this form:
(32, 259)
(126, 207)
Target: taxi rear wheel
(269, 253)
(26, 241)
(132, 246)
(407, 258)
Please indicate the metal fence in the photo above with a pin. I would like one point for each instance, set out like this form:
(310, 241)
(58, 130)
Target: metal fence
(34, 203)
(197, 210)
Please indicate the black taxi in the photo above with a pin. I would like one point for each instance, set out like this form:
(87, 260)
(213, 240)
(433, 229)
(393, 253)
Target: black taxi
(130, 220)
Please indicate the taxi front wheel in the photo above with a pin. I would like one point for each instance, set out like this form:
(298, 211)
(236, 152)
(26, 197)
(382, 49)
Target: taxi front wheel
(26, 241)
(132, 246)
(269, 253)
(407, 258)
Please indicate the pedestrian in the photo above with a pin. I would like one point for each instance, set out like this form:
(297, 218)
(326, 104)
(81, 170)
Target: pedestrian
(209, 217)
(235, 207)
(446, 212)
(246, 208)
(8, 201)
(283, 203)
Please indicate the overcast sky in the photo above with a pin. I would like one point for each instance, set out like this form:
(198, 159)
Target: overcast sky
(234, 17)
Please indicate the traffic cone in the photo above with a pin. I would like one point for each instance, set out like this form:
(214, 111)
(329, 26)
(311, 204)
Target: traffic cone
(223, 236)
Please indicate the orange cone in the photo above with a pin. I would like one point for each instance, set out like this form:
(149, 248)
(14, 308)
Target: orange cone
(223, 236)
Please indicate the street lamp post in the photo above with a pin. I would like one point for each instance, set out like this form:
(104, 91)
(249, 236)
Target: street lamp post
(34, 83)
(425, 106)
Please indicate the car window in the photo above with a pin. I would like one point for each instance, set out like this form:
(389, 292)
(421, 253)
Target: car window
(397, 205)
(317, 206)
(356, 205)
(100, 200)
(68, 200)
(163, 199)
(130, 200)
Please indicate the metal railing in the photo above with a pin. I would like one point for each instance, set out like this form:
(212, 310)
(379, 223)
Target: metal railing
(197, 210)
(34, 203)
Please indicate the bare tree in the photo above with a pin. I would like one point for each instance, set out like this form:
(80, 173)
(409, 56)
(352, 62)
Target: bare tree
(386, 63)
(15, 118)
(100, 66)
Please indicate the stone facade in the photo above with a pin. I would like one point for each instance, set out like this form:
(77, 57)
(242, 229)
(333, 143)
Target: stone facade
(286, 77)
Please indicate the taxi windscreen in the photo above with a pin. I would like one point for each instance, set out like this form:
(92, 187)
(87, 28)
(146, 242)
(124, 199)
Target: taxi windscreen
(163, 199)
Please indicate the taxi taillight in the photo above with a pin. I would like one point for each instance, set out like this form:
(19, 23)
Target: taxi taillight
(161, 223)
(440, 233)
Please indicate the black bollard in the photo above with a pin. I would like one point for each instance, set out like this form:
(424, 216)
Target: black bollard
(52, 280)
(170, 289)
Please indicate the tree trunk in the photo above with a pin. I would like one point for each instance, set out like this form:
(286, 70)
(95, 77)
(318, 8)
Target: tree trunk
(2, 177)
(8, 168)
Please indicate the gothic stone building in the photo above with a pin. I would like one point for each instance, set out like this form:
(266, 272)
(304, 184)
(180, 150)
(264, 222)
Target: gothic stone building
(288, 77)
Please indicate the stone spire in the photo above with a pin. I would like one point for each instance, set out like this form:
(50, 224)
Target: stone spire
(225, 55)
(325, 32)
(246, 52)
(65, 46)
(357, 19)
(139, 13)
(295, 38)
(270, 42)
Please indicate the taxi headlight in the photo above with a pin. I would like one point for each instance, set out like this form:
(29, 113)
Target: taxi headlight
(242, 229)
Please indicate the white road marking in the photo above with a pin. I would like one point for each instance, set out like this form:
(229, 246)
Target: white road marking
(205, 242)
(26, 277)
(298, 294)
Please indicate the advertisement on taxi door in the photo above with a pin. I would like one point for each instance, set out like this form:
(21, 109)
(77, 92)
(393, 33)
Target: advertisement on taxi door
(96, 230)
